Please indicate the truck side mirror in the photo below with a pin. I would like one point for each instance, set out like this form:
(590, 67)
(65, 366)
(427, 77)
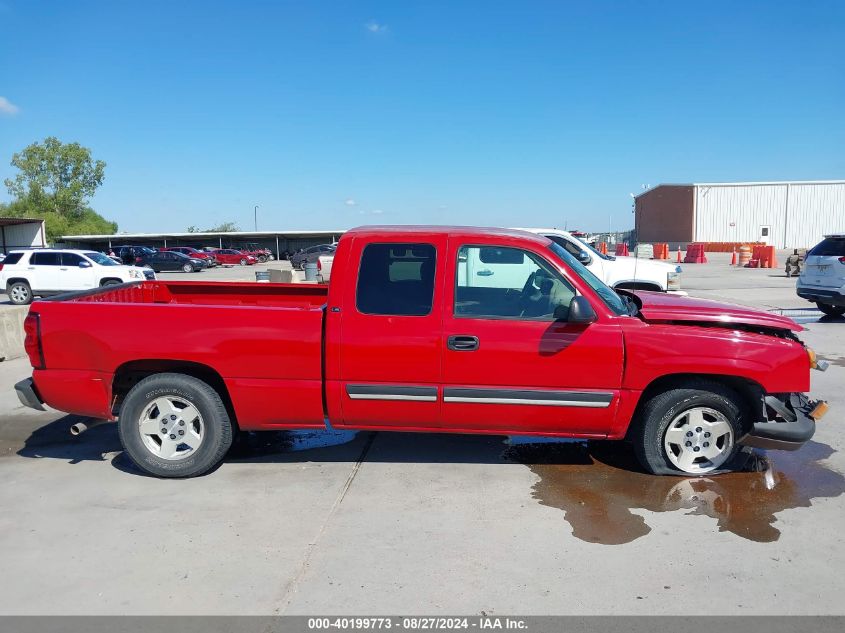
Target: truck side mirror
(84, 265)
(580, 311)
(584, 258)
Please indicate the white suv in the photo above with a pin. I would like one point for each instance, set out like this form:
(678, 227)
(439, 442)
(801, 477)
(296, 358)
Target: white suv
(632, 273)
(43, 272)
(822, 279)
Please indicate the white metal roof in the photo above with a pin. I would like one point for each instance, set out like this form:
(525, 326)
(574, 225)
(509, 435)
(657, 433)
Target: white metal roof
(240, 234)
(741, 184)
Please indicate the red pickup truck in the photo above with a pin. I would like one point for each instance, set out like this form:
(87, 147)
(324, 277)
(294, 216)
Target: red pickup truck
(465, 330)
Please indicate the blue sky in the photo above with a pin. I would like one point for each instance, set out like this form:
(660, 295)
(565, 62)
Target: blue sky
(332, 114)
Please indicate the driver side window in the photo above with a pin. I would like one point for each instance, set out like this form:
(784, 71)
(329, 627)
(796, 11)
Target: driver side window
(496, 282)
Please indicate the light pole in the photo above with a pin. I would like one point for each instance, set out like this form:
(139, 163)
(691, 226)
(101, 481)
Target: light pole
(256, 217)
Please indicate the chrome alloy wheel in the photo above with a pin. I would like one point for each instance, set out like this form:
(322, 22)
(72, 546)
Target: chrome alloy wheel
(171, 428)
(699, 440)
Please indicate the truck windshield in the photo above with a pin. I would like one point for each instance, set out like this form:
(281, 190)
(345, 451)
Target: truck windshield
(605, 293)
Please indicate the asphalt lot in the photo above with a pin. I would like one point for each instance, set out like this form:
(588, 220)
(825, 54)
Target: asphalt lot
(402, 523)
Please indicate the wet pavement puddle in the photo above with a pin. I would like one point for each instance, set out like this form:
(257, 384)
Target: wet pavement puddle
(598, 486)
(252, 444)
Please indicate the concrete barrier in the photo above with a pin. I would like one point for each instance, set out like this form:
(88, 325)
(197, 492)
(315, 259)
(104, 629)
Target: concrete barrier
(280, 275)
(11, 331)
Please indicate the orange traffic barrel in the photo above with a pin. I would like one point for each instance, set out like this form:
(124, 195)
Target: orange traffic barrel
(744, 255)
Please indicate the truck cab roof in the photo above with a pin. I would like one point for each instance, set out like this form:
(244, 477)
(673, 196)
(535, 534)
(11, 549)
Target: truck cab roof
(454, 231)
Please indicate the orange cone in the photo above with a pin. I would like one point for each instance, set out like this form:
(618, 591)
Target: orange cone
(679, 254)
(733, 258)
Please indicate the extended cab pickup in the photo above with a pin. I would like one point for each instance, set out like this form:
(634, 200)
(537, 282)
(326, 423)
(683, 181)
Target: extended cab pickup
(412, 335)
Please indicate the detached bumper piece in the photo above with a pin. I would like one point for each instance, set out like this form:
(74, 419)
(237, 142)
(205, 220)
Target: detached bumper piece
(794, 425)
(28, 395)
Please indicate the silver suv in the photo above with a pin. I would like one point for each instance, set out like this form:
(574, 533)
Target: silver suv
(823, 277)
(43, 272)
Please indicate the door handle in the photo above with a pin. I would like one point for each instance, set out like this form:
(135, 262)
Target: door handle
(462, 343)
(484, 273)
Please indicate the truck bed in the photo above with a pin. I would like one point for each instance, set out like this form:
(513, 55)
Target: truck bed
(209, 293)
(262, 340)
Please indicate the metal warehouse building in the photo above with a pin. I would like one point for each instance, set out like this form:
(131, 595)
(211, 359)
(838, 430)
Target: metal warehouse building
(783, 214)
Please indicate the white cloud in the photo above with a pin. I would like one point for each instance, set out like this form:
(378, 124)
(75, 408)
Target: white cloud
(377, 212)
(349, 202)
(374, 27)
(7, 107)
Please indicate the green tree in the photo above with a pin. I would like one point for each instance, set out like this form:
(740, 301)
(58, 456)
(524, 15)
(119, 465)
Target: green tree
(54, 184)
(56, 177)
(87, 222)
(225, 227)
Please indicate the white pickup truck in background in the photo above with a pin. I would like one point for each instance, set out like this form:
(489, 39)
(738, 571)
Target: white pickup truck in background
(632, 273)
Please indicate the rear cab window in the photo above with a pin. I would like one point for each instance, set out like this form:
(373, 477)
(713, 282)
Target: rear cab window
(396, 279)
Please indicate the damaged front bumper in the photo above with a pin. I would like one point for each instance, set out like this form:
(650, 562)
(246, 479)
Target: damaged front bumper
(790, 422)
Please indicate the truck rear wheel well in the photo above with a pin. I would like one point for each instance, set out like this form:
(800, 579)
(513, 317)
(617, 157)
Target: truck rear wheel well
(750, 394)
(129, 374)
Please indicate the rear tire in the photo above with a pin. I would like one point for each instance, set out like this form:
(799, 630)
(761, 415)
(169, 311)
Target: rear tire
(19, 293)
(692, 429)
(157, 409)
(829, 310)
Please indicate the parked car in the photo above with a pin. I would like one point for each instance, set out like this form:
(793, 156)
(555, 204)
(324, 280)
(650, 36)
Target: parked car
(209, 258)
(131, 255)
(310, 254)
(232, 256)
(171, 261)
(623, 273)
(252, 248)
(404, 338)
(45, 272)
(822, 280)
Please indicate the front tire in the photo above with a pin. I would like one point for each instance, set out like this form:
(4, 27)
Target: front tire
(20, 293)
(829, 310)
(173, 425)
(243, 262)
(187, 268)
(692, 429)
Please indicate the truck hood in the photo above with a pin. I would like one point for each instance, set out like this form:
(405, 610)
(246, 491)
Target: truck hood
(662, 307)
